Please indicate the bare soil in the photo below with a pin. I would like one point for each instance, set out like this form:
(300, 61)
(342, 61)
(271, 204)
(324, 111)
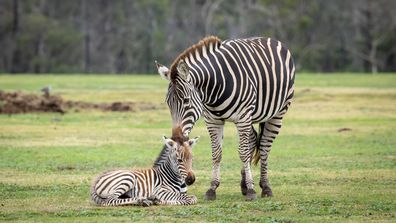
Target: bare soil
(18, 102)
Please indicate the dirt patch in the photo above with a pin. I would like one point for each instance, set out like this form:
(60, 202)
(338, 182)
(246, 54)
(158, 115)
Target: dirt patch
(344, 130)
(18, 102)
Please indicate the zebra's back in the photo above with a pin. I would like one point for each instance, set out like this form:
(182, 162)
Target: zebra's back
(257, 73)
(136, 183)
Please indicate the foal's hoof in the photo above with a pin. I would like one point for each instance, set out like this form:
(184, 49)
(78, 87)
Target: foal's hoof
(266, 192)
(210, 195)
(146, 203)
(192, 199)
(154, 199)
(251, 195)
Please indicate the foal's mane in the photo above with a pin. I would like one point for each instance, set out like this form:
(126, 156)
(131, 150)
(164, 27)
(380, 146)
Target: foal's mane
(178, 137)
(205, 42)
(161, 157)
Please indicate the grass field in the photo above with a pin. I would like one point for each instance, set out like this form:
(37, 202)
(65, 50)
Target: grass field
(317, 173)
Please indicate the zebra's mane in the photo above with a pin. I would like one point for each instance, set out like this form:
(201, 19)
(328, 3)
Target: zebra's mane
(205, 42)
(161, 157)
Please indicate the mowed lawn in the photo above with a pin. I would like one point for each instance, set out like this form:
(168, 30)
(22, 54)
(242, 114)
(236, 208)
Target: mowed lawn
(334, 160)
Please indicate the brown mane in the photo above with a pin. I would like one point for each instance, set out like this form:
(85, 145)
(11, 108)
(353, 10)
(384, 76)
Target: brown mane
(177, 135)
(198, 46)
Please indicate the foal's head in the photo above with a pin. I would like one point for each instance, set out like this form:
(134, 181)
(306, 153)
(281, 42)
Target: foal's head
(180, 155)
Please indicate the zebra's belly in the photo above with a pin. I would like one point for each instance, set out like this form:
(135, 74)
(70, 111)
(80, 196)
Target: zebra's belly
(111, 190)
(260, 120)
(260, 105)
(258, 113)
(264, 114)
(135, 193)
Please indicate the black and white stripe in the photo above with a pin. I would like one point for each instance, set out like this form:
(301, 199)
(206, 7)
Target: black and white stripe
(244, 81)
(165, 183)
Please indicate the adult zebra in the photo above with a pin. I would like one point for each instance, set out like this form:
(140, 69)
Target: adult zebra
(244, 81)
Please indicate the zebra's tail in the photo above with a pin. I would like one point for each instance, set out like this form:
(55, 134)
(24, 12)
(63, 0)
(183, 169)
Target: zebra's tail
(255, 144)
(256, 156)
(97, 199)
(95, 196)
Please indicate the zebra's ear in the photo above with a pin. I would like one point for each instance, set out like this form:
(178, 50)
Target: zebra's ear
(193, 141)
(163, 71)
(182, 69)
(168, 142)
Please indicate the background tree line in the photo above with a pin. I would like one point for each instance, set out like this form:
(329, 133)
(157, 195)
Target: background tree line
(126, 36)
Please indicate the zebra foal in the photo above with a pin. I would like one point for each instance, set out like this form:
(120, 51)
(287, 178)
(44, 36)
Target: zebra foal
(165, 183)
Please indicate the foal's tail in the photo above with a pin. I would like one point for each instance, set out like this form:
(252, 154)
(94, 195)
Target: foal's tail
(95, 196)
(97, 199)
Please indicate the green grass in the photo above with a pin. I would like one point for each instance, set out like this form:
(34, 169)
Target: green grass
(318, 174)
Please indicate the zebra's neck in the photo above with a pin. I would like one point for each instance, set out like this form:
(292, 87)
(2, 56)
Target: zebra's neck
(162, 157)
(163, 166)
(171, 176)
(206, 78)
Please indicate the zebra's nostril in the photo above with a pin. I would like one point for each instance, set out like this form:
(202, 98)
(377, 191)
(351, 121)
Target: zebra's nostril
(190, 179)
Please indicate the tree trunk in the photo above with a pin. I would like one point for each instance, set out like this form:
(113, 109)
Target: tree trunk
(373, 57)
(16, 54)
(87, 39)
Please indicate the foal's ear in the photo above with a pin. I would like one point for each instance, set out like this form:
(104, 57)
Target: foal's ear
(183, 70)
(169, 142)
(193, 141)
(163, 71)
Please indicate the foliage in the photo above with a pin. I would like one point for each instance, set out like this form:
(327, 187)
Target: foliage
(122, 36)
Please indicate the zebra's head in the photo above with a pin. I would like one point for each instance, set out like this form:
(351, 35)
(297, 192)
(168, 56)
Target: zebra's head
(183, 99)
(180, 156)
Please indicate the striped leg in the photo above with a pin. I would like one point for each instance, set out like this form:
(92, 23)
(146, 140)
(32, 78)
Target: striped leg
(268, 132)
(174, 198)
(253, 145)
(216, 136)
(245, 153)
(114, 201)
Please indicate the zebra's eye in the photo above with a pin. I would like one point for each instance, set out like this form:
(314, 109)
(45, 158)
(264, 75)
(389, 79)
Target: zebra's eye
(186, 100)
(179, 160)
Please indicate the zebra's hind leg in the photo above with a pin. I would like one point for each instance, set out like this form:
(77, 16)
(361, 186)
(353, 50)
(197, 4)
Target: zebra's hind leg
(245, 153)
(253, 145)
(145, 202)
(268, 132)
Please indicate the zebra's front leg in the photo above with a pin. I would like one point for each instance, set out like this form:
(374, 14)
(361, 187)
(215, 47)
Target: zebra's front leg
(174, 198)
(245, 153)
(216, 136)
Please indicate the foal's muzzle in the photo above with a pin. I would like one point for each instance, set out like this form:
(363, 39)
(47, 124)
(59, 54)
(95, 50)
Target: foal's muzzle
(190, 179)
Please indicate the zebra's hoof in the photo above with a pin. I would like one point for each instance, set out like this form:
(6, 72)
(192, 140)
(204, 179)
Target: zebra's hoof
(145, 203)
(266, 192)
(210, 195)
(192, 199)
(154, 199)
(251, 195)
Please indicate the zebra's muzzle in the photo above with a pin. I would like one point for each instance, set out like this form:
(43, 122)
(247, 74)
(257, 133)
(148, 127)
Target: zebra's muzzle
(190, 179)
(183, 188)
